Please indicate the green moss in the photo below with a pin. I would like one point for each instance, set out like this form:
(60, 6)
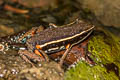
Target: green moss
(83, 71)
(105, 49)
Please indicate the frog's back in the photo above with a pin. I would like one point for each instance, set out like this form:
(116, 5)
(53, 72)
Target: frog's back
(60, 34)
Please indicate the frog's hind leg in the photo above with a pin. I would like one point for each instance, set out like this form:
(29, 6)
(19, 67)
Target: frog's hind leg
(68, 48)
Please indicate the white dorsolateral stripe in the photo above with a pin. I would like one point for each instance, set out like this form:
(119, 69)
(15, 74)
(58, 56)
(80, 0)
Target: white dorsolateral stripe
(66, 38)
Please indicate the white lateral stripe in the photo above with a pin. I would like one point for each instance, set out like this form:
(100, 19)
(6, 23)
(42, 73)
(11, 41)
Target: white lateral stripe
(65, 38)
(53, 48)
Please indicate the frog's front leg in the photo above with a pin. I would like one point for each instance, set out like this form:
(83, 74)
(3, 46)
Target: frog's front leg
(41, 53)
(30, 56)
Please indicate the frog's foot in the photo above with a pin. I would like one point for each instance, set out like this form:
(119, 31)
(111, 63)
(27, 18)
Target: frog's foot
(30, 57)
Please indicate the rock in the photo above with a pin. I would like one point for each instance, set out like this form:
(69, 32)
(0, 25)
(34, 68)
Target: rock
(11, 64)
(106, 11)
(45, 71)
(13, 67)
(38, 3)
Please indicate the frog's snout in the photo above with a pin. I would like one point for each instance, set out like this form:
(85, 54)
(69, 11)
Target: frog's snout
(2, 47)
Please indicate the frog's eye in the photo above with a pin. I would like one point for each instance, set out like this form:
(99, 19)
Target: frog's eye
(23, 40)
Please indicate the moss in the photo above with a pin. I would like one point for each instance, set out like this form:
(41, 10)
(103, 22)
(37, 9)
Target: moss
(83, 71)
(105, 49)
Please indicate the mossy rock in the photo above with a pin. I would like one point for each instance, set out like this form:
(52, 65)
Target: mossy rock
(105, 49)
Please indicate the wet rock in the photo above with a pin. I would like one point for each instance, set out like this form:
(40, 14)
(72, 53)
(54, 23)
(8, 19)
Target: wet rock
(38, 3)
(11, 64)
(106, 11)
(45, 71)
(4, 30)
(13, 67)
(9, 27)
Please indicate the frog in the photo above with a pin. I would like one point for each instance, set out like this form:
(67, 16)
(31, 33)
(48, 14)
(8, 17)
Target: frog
(55, 39)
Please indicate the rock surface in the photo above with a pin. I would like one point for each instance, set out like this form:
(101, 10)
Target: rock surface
(13, 67)
(106, 11)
